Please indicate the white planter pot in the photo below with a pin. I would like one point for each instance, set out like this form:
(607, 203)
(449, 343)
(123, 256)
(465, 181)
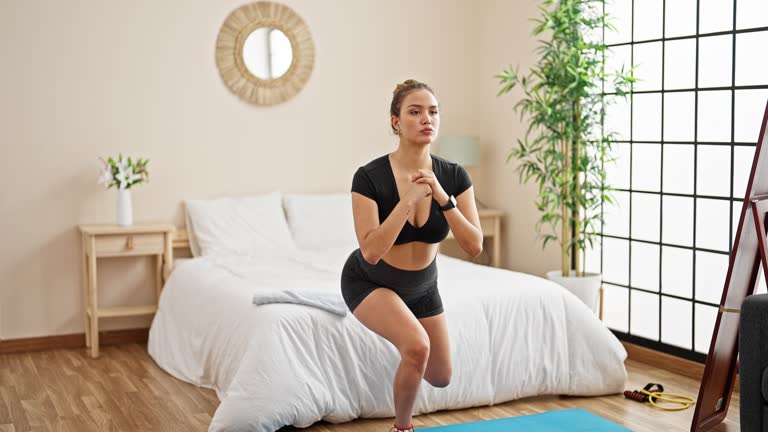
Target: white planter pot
(586, 288)
(124, 207)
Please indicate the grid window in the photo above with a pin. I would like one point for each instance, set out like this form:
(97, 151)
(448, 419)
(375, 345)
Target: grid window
(687, 138)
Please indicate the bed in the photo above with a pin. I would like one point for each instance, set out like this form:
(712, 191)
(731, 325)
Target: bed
(513, 335)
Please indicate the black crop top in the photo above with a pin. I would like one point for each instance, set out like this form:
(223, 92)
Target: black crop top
(376, 180)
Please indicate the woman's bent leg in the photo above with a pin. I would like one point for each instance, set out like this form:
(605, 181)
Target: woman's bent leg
(384, 313)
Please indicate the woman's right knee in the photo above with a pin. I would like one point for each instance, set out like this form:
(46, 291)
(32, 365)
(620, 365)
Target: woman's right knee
(415, 352)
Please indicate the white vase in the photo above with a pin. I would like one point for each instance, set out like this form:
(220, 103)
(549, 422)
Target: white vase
(124, 207)
(586, 288)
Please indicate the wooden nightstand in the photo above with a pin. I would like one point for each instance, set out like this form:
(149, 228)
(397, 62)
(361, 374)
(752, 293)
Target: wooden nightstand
(101, 241)
(490, 222)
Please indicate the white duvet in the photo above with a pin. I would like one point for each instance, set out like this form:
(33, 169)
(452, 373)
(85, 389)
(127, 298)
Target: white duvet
(512, 335)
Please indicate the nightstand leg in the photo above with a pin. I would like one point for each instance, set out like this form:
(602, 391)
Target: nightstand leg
(94, 299)
(158, 276)
(86, 295)
(497, 242)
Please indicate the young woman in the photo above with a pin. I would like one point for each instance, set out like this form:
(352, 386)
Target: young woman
(404, 204)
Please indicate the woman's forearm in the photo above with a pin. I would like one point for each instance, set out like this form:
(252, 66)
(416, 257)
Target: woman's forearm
(379, 241)
(469, 237)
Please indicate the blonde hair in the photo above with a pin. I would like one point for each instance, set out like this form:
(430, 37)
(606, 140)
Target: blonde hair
(401, 91)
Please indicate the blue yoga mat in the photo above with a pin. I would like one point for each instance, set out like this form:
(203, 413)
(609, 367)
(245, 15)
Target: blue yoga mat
(570, 420)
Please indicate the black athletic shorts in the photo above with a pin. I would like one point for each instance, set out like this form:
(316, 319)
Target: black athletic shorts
(417, 288)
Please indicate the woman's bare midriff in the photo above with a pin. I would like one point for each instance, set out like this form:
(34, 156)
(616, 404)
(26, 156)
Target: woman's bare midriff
(411, 256)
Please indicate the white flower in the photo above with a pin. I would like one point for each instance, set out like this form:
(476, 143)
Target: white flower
(106, 177)
(126, 176)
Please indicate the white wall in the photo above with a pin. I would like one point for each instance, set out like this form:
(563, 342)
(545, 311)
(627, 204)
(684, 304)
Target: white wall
(83, 78)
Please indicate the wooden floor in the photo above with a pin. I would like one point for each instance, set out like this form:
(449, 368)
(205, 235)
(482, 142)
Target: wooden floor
(125, 390)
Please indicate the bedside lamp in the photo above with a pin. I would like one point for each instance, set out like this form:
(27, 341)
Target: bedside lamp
(461, 149)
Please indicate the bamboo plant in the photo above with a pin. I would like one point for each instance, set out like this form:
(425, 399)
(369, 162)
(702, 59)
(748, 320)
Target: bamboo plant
(565, 147)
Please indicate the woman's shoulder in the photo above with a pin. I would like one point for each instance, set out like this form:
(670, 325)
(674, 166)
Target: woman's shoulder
(376, 164)
(441, 165)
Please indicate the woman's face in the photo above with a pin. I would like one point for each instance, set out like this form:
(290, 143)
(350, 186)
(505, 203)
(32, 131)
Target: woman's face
(419, 118)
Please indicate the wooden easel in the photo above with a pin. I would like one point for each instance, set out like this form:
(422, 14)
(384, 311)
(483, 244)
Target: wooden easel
(749, 251)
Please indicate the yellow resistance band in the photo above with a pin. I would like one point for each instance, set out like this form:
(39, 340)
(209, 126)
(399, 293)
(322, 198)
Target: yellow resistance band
(684, 402)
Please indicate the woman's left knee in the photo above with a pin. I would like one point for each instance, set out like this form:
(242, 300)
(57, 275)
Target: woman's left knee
(440, 378)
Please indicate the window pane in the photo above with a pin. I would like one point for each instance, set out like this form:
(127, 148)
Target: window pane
(646, 167)
(645, 266)
(616, 261)
(645, 216)
(616, 307)
(751, 61)
(616, 58)
(751, 14)
(715, 61)
(678, 220)
(736, 207)
(713, 170)
(681, 18)
(646, 116)
(648, 66)
(750, 109)
(617, 216)
(715, 15)
(712, 224)
(711, 270)
(742, 165)
(620, 12)
(761, 287)
(645, 315)
(679, 116)
(705, 325)
(648, 19)
(592, 256)
(676, 321)
(677, 271)
(680, 64)
(715, 116)
(678, 168)
(617, 116)
(617, 172)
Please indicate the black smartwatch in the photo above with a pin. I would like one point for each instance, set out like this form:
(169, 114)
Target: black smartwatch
(450, 204)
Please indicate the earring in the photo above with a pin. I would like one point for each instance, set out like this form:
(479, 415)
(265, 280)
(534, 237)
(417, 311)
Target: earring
(397, 131)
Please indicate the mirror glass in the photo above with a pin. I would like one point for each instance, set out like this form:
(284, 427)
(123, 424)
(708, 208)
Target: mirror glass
(267, 53)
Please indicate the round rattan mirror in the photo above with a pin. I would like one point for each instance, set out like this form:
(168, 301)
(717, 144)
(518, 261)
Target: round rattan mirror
(264, 52)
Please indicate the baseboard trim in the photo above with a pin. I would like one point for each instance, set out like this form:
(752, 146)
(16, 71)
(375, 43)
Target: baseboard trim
(678, 365)
(72, 341)
(661, 360)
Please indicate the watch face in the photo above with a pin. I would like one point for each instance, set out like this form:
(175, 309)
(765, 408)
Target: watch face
(452, 199)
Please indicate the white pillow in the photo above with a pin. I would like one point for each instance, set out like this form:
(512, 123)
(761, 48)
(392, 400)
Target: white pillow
(321, 221)
(238, 226)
